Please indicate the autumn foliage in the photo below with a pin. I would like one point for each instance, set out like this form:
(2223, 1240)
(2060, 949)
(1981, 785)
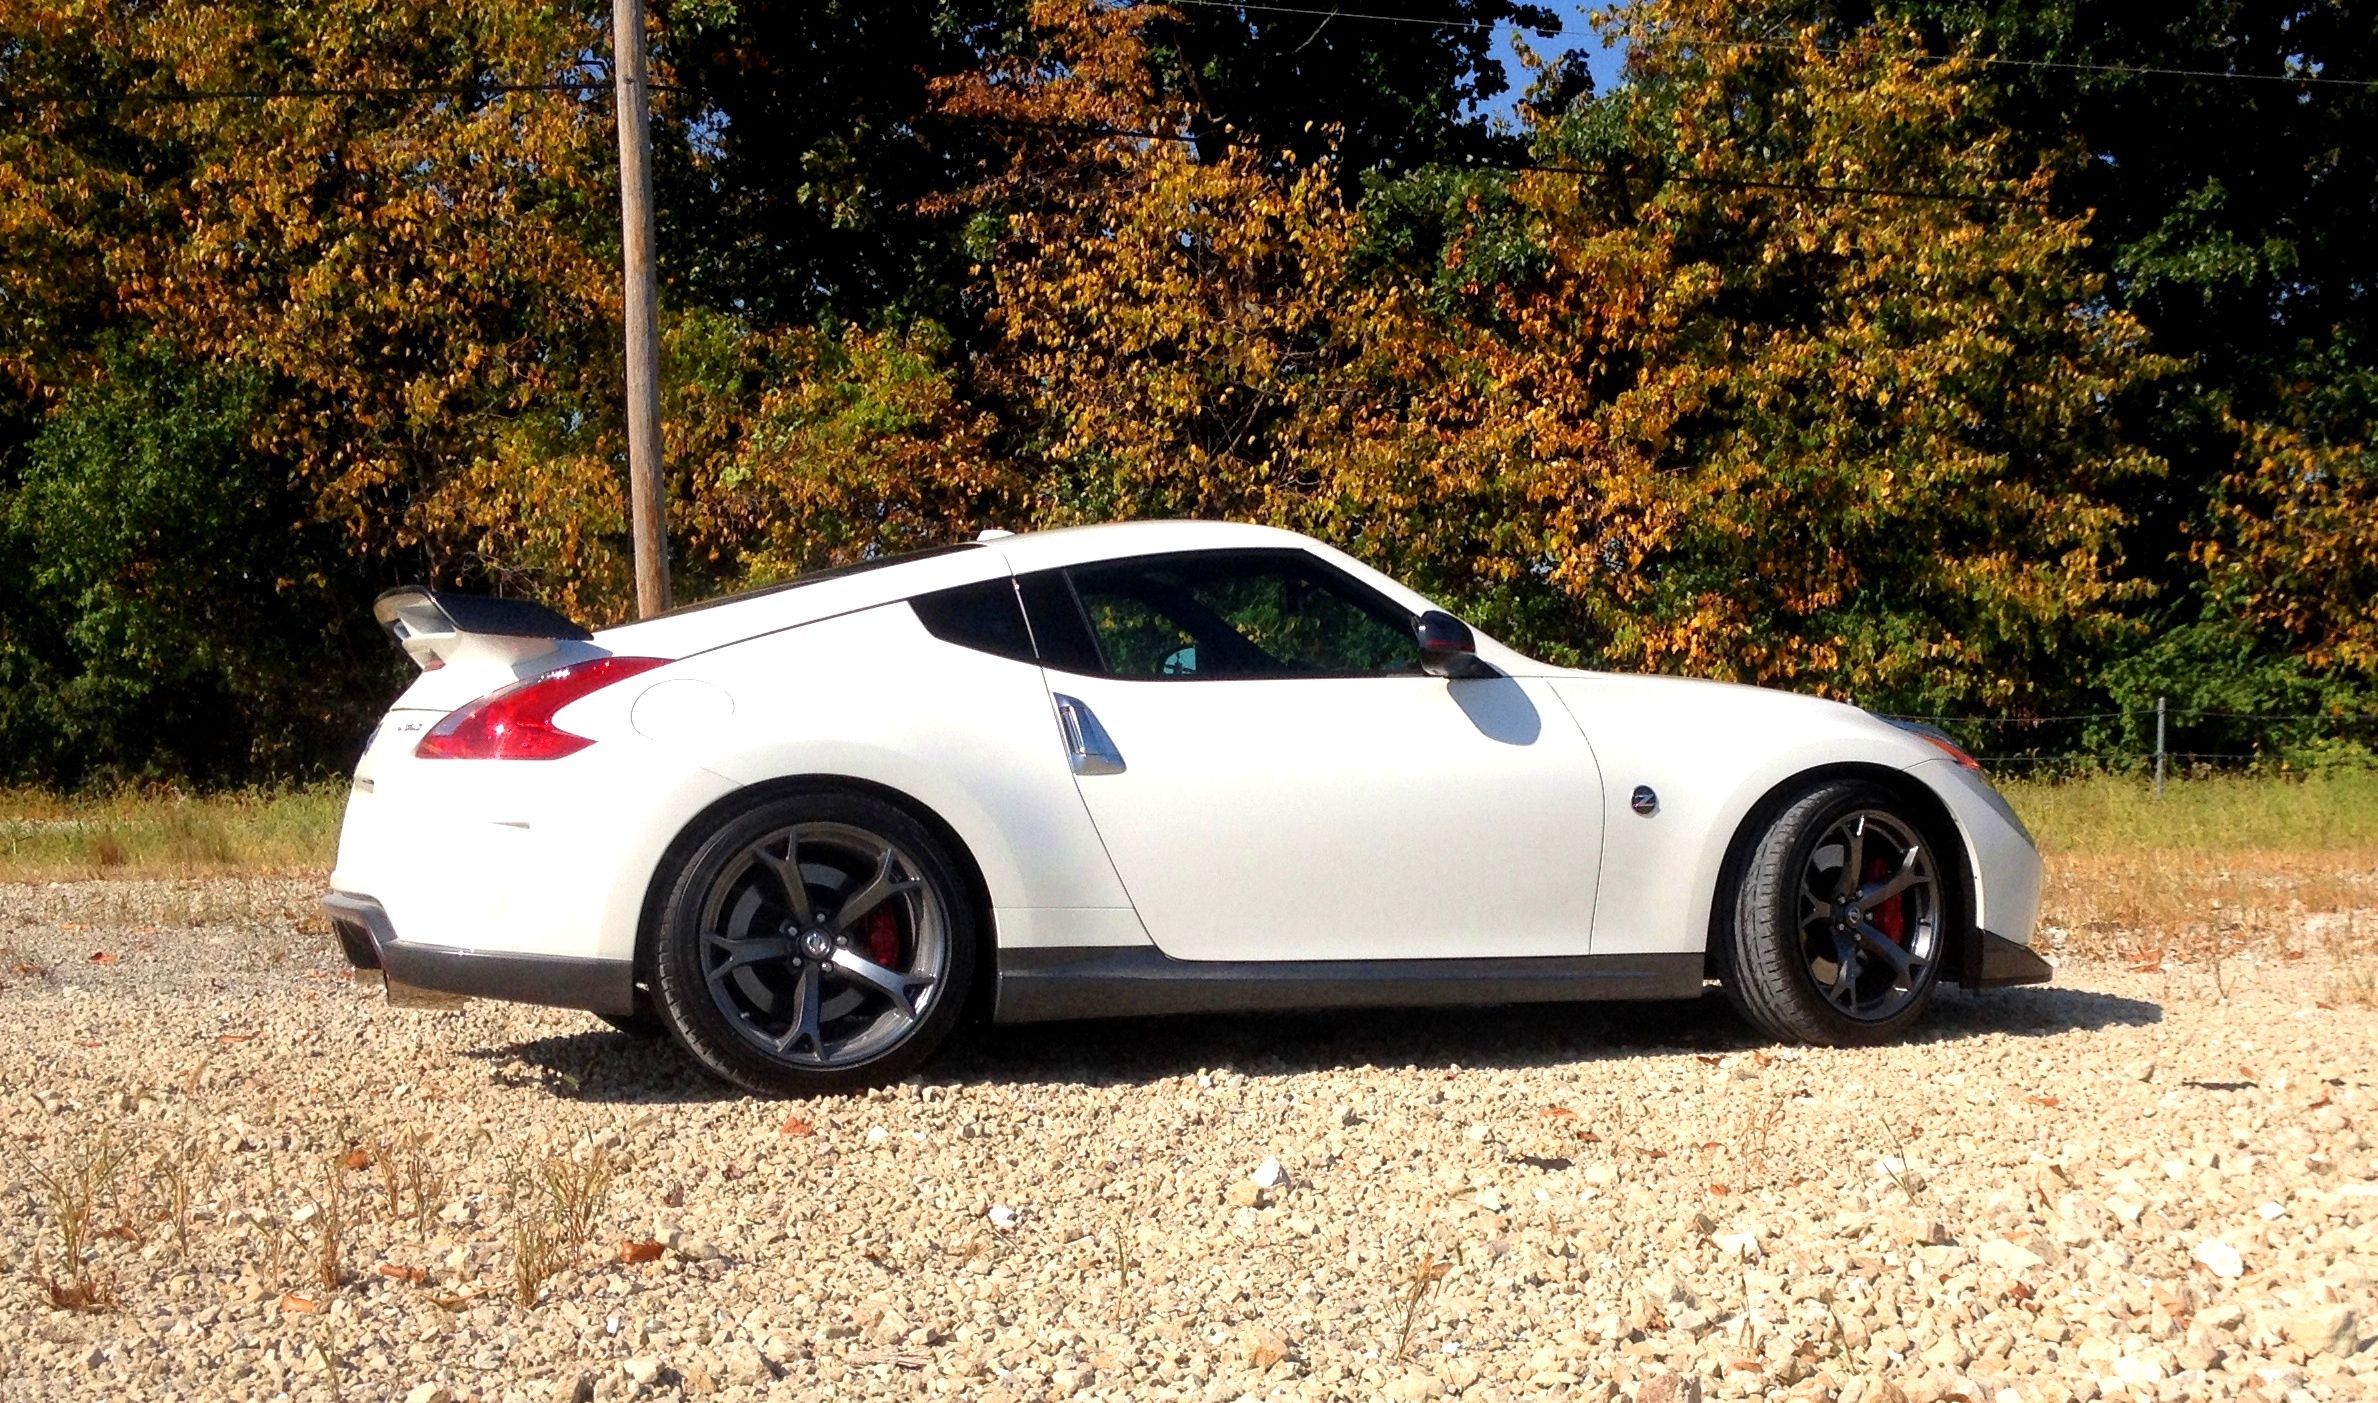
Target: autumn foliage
(1783, 361)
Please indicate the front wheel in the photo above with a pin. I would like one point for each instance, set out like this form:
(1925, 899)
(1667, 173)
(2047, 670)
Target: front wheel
(820, 941)
(1840, 919)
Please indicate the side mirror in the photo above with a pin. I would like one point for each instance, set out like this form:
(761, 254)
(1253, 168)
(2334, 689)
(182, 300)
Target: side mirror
(1448, 648)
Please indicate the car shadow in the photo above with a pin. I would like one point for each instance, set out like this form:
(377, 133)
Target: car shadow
(603, 1066)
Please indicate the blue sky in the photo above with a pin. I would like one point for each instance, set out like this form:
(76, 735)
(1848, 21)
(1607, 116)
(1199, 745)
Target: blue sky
(1577, 34)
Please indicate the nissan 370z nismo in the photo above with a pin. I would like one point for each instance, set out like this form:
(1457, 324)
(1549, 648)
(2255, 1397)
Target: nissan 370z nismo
(1162, 767)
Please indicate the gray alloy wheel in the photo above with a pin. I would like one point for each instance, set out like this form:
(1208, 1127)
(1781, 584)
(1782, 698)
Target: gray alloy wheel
(1840, 919)
(1870, 909)
(818, 942)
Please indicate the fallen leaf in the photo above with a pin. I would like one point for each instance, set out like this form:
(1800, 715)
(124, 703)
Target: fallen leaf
(1708, 1061)
(1589, 1137)
(646, 1250)
(102, 957)
(72, 926)
(357, 1158)
(294, 1304)
(229, 1038)
(86, 1042)
(1720, 1190)
(794, 1125)
(2048, 1101)
(125, 1231)
(2152, 965)
(1761, 1058)
(1557, 1113)
(2316, 1003)
(2020, 1291)
(394, 1272)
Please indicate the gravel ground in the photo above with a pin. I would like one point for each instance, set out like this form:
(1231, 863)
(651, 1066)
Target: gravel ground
(2132, 1184)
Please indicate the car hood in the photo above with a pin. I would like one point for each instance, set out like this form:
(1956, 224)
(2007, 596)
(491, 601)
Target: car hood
(1716, 717)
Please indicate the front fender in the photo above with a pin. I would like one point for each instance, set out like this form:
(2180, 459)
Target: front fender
(1710, 754)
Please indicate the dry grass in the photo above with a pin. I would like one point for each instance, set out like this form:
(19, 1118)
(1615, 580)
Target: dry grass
(74, 1191)
(163, 833)
(2216, 867)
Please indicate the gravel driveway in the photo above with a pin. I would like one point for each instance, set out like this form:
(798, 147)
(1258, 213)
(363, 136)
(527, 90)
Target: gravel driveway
(2131, 1184)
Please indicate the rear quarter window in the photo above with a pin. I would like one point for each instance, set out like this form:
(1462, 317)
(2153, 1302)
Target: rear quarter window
(984, 616)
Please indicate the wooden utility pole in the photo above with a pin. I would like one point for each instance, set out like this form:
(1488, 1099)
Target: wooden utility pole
(643, 293)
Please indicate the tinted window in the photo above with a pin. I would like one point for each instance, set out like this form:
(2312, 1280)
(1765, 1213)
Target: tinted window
(982, 616)
(1057, 627)
(1240, 614)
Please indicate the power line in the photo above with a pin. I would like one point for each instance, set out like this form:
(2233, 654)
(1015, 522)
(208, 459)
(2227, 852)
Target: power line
(1997, 61)
(1720, 182)
(54, 98)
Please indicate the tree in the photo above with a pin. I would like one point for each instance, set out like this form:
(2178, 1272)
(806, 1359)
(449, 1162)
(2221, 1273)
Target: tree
(2228, 215)
(179, 614)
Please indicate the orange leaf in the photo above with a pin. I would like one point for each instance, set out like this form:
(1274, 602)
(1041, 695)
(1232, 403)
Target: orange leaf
(794, 1125)
(1720, 1190)
(646, 1250)
(1557, 1113)
(102, 957)
(229, 1038)
(1707, 1061)
(357, 1158)
(1589, 1137)
(394, 1272)
(294, 1304)
(2048, 1101)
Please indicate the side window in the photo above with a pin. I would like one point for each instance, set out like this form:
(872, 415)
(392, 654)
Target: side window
(1240, 614)
(984, 617)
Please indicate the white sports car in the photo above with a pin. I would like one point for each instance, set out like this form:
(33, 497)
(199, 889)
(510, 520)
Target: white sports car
(1152, 768)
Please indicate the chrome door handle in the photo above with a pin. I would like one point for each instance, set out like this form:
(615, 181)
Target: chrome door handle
(1088, 748)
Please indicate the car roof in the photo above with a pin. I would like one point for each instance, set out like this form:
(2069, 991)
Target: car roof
(1076, 545)
(715, 622)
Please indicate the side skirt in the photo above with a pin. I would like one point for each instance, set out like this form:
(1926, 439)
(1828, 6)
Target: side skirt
(1044, 985)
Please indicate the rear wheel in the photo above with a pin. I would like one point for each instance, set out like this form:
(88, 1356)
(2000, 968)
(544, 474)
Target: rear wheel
(1840, 920)
(817, 942)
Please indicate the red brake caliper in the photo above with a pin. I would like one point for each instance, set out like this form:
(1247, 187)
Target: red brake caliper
(883, 938)
(1891, 917)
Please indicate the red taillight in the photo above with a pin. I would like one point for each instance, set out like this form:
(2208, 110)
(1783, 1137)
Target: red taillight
(516, 722)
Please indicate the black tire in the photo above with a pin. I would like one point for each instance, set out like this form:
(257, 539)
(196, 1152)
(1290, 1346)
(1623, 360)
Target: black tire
(768, 1021)
(643, 1024)
(1800, 957)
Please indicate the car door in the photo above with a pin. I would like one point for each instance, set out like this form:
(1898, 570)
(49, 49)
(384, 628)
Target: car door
(1276, 779)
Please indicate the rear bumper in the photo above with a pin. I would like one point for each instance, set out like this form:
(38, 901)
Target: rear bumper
(369, 940)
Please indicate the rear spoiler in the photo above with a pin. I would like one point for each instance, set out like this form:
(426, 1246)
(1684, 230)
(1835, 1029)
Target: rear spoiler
(435, 629)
